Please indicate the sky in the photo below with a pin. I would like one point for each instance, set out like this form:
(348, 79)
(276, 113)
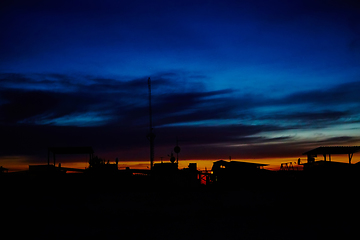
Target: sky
(260, 81)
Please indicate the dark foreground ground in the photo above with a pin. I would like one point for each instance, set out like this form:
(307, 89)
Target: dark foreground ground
(74, 207)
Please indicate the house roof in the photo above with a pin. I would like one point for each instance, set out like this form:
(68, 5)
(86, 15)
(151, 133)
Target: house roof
(238, 163)
(328, 163)
(3, 169)
(333, 150)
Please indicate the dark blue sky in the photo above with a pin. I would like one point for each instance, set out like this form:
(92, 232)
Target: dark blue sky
(251, 79)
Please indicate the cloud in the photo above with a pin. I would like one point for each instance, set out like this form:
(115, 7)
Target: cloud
(314, 108)
(21, 105)
(311, 119)
(50, 98)
(56, 96)
(34, 119)
(340, 94)
(111, 114)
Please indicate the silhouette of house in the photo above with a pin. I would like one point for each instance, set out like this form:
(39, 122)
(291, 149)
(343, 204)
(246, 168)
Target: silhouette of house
(69, 150)
(327, 167)
(348, 150)
(52, 169)
(3, 170)
(165, 168)
(236, 166)
(190, 176)
(46, 169)
(165, 174)
(99, 165)
(96, 164)
(235, 172)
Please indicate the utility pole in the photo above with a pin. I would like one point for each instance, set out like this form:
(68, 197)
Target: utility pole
(151, 135)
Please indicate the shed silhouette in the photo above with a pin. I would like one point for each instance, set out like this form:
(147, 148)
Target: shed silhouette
(69, 150)
(331, 150)
(236, 172)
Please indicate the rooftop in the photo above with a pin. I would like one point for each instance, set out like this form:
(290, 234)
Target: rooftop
(333, 150)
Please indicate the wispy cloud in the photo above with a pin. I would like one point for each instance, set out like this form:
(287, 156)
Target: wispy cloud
(49, 97)
(112, 114)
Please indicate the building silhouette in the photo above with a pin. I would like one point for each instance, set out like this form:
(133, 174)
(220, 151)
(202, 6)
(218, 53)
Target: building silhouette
(238, 173)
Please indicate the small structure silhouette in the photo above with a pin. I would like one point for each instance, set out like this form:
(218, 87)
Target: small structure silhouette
(327, 164)
(69, 150)
(52, 169)
(99, 165)
(169, 168)
(331, 150)
(190, 176)
(236, 172)
(328, 169)
(289, 166)
(3, 170)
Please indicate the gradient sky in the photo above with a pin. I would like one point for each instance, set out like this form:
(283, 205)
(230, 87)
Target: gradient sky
(251, 79)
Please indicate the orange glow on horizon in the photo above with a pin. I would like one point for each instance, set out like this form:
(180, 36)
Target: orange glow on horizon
(21, 163)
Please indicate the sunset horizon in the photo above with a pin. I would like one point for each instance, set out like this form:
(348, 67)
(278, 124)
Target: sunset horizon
(182, 119)
(252, 81)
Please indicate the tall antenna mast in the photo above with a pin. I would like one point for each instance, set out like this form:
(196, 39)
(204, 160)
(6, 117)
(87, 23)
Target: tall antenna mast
(151, 135)
(177, 150)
